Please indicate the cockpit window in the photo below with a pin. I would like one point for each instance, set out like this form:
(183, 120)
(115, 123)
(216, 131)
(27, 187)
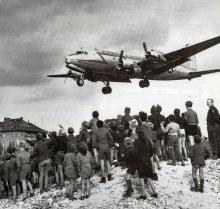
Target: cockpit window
(81, 52)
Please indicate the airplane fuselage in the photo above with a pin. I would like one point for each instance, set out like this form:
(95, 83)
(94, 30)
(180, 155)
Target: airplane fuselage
(102, 64)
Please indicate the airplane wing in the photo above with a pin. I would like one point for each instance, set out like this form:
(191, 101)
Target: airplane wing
(59, 76)
(70, 74)
(193, 49)
(200, 73)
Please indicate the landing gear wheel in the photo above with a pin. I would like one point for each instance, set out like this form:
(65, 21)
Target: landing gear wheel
(144, 83)
(106, 90)
(80, 82)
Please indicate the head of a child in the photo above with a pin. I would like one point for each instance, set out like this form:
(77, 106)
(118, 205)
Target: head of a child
(100, 124)
(127, 110)
(95, 114)
(177, 112)
(133, 124)
(82, 148)
(150, 125)
(113, 125)
(121, 128)
(71, 148)
(84, 125)
(171, 118)
(188, 104)
(197, 139)
(70, 130)
(143, 116)
(140, 133)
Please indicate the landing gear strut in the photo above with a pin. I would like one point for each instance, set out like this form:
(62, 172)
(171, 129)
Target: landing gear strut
(144, 83)
(107, 89)
(80, 81)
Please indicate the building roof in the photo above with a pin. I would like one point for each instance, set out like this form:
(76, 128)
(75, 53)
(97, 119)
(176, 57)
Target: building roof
(18, 124)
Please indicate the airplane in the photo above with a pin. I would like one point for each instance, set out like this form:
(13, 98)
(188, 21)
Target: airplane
(105, 66)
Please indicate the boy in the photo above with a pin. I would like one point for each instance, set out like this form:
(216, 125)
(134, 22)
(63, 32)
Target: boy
(198, 154)
(103, 142)
(173, 131)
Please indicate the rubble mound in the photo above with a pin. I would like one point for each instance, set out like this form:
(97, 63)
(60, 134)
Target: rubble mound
(173, 188)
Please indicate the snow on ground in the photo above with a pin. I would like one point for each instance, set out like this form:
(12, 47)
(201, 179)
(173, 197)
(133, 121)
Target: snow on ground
(173, 188)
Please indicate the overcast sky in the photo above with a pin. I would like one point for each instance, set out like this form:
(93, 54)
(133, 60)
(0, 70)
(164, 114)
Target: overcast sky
(37, 35)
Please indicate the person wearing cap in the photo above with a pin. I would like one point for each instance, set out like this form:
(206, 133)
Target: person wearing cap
(192, 121)
(126, 118)
(213, 125)
(103, 142)
(198, 154)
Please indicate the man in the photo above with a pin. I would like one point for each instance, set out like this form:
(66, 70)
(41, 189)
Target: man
(192, 121)
(126, 118)
(213, 120)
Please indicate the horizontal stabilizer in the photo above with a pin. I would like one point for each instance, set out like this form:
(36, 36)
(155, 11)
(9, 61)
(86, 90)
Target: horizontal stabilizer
(200, 73)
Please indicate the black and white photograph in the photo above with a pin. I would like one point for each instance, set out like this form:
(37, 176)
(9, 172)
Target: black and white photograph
(109, 104)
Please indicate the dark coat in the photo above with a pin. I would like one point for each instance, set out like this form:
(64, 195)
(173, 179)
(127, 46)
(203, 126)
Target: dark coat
(213, 117)
(60, 143)
(198, 154)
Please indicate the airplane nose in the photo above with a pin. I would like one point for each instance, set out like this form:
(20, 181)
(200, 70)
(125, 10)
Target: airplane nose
(67, 60)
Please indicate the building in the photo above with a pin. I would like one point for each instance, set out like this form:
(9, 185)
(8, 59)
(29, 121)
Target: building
(17, 130)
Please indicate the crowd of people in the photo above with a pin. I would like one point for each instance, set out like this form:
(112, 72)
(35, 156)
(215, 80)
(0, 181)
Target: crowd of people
(137, 143)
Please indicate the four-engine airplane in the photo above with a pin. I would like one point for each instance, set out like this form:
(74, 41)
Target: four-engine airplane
(105, 66)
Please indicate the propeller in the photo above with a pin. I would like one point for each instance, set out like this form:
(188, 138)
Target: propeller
(145, 47)
(69, 73)
(120, 60)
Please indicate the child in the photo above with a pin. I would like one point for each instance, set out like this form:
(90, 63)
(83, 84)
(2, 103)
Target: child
(84, 162)
(173, 131)
(70, 170)
(198, 154)
(122, 134)
(24, 168)
(155, 145)
(11, 174)
(103, 142)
